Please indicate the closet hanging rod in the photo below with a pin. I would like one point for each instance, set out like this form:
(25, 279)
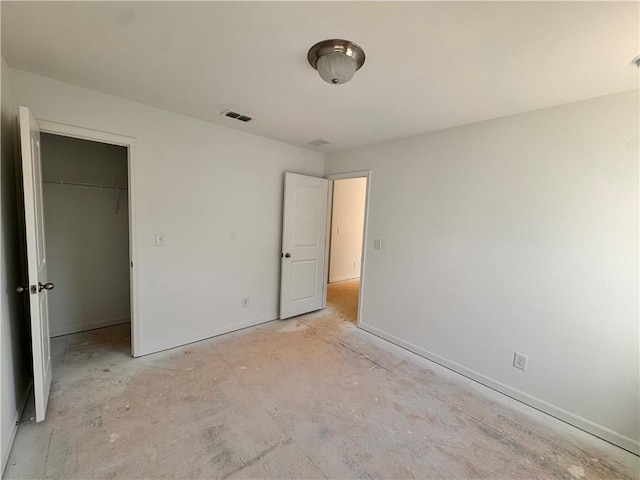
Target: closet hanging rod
(80, 184)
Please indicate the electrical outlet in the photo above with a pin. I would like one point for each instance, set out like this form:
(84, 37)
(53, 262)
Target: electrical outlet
(245, 302)
(520, 361)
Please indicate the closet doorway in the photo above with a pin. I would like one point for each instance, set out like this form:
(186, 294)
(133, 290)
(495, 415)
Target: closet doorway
(87, 222)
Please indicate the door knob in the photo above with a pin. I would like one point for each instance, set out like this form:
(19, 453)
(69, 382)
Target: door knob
(46, 286)
(287, 255)
(22, 289)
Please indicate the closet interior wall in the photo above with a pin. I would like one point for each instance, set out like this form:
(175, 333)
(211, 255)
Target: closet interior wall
(86, 233)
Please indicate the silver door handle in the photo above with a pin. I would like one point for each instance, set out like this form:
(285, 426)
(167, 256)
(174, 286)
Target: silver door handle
(46, 286)
(22, 289)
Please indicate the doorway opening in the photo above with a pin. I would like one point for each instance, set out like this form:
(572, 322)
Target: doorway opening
(346, 245)
(308, 225)
(87, 230)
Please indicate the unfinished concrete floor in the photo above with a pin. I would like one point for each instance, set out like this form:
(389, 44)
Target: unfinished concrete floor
(310, 397)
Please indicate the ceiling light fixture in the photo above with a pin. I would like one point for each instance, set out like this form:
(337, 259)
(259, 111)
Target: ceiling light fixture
(336, 60)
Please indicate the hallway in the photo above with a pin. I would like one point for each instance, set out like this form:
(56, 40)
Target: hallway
(342, 298)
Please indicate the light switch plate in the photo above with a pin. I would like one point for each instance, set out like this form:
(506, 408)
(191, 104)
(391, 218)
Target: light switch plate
(159, 239)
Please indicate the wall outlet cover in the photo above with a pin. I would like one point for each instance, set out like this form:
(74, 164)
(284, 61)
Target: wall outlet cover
(520, 360)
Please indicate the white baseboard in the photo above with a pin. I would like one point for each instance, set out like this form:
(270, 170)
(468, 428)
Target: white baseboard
(148, 350)
(6, 448)
(68, 329)
(588, 426)
(342, 278)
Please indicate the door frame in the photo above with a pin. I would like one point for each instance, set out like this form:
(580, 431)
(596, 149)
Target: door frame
(82, 133)
(363, 260)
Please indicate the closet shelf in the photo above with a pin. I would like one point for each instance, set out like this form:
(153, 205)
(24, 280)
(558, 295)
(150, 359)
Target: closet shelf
(63, 183)
(97, 186)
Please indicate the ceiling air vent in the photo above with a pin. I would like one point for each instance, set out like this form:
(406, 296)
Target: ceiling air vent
(238, 116)
(318, 142)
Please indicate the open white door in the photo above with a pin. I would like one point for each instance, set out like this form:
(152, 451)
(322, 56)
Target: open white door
(36, 260)
(303, 244)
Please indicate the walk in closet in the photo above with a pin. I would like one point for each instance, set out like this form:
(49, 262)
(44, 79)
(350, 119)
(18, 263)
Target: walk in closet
(86, 216)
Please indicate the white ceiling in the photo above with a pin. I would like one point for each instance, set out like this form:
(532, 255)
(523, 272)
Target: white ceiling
(430, 65)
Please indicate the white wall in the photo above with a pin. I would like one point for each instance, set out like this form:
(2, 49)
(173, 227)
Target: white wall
(216, 193)
(16, 370)
(87, 241)
(347, 224)
(516, 234)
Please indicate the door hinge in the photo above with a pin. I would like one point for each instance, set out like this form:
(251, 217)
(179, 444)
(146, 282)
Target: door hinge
(34, 289)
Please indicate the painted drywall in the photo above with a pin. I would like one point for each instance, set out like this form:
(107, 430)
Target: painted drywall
(216, 194)
(16, 371)
(87, 240)
(515, 234)
(347, 224)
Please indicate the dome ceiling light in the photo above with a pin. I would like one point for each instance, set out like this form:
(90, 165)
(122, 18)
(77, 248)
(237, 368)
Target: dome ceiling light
(336, 60)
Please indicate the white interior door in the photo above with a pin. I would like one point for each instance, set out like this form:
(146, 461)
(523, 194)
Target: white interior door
(303, 244)
(36, 260)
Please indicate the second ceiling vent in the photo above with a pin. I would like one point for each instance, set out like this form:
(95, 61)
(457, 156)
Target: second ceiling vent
(238, 116)
(318, 142)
